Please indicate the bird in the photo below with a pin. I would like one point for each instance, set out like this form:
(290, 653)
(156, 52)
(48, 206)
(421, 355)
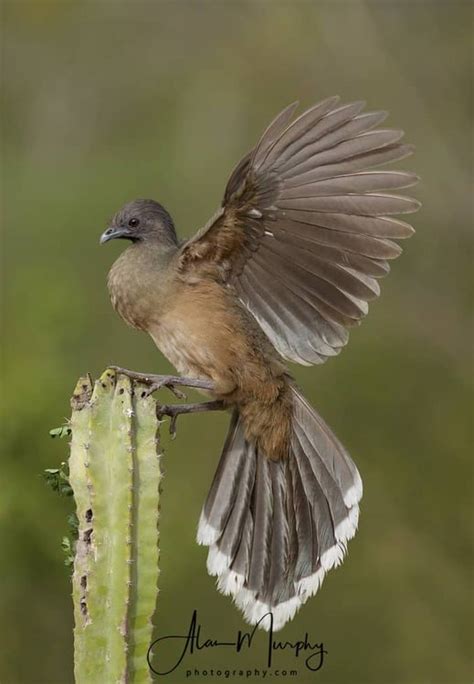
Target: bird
(281, 272)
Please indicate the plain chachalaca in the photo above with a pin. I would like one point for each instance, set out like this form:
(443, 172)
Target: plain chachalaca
(282, 270)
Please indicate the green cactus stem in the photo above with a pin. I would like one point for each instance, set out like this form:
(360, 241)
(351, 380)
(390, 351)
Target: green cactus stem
(115, 475)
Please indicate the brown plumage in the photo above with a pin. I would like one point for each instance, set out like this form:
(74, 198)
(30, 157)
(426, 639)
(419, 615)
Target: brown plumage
(283, 269)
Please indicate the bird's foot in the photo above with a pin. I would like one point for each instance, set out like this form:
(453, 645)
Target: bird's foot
(175, 410)
(156, 382)
(152, 381)
(160, 382)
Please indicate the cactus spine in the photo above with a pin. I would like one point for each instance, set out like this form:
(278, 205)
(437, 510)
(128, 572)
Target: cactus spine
(115, 476)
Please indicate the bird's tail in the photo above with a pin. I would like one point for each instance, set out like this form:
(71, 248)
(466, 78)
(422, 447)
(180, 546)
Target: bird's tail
(275, 527)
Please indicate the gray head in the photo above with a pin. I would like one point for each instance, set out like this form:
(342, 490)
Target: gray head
(142, 220)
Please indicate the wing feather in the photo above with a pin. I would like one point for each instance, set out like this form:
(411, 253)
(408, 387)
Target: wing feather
(306, 228)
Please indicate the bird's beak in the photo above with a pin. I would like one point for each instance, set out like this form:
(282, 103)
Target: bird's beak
(113, 233)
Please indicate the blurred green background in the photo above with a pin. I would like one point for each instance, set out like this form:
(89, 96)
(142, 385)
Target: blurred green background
(107, 101)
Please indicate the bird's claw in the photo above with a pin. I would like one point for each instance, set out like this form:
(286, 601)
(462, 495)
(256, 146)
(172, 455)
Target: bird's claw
(172, 414)
(172, 428)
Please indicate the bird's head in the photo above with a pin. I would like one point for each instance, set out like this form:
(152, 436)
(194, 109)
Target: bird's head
(142, 220)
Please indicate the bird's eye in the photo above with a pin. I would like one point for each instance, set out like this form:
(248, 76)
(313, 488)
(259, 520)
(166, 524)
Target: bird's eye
(133, 223)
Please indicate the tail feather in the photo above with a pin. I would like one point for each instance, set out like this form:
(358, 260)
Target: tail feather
(222, 493)
(277, 590)
(224, 551)
(275, 527)
(232, 580)
(306, 538)
(262, 506)
(322, 528)
(336, 458)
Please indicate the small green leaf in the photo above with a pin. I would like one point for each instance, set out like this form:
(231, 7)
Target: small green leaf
(58, 479)
(67, 547)
(73, 524)
(63, 431)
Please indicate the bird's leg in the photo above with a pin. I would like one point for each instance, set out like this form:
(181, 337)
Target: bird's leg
(175, 410)
(156, 382)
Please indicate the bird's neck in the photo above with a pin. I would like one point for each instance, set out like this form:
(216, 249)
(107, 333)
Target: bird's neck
(140, 280)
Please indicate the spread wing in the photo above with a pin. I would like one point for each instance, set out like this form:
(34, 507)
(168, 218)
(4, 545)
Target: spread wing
(305, 230)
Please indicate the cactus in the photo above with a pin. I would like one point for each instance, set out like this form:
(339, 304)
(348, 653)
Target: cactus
(114, 472)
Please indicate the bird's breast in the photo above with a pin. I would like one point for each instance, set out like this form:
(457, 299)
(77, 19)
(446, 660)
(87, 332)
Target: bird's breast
(203, 335)
(190, 332)
(138, 288)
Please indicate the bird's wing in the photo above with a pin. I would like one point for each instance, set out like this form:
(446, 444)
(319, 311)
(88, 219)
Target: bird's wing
(305, 230)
